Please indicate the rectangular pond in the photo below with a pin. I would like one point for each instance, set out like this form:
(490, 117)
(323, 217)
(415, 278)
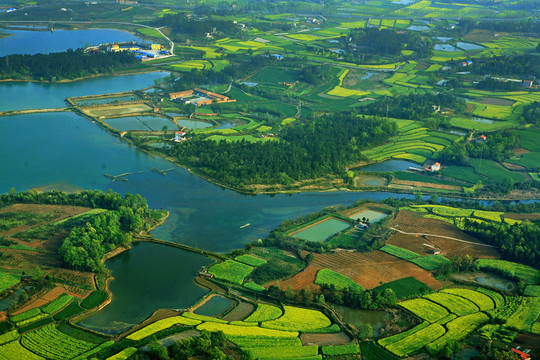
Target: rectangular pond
(323, 230)
(214, 306)
(372, 215)
(146, 123)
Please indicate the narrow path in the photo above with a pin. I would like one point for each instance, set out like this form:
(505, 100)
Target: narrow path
(444, 237)
(151, 239)
(31, 111)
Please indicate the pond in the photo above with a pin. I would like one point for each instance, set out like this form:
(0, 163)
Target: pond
(142, 122)
(19, 95)
(369, 180)
(225, 125)
(488, 279)
(372, 215)
(442, 38)
(323, 230)
(367, 76)
(34, 42)
(468, 46)
(214, 306)
(193, 124)
(418, 28)
(388, 166)
(482, 120)
(359, 318)
(12, 299)
(445, 47)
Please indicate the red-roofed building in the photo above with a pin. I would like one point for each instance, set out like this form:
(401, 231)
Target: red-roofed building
(482, 138)
(179, 136)
(522, 355)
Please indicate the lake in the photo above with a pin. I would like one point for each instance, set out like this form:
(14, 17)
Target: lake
(19, 95)
(34, 42)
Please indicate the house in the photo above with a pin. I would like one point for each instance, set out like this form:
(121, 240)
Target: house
(434, 168)
(155, 47)
(436, 251)
(528, 84)
(482, 138)
(278, 56)
(522, 354)
(179, 136)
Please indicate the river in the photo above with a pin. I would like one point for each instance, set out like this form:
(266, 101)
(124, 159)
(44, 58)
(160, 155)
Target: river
(64, 148)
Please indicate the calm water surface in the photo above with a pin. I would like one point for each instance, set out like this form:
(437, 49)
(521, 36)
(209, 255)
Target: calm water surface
(19, 95)
(52, 148)
(34, 42)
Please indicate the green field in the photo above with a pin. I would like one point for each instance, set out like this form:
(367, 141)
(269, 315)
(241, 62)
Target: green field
(484, 302)
(525, 315)
(57, 304)
(15, 351)
(252, 285)
(323, 230)
(339, 281)
(51, 343)
(336, 350)
(285, 352)
(264, 312)
(523, 272)
(250, 260)
(8, 280)
(430, 262)
(253, 336)
(230, 270)
(425, 309)
(416, 340)
(161, 325)
(298, 319)
(372, 351)
(399, 252)
(394, 338)
(532, 290)
(404, 288)
(458, 329)
(497, 298)
(94, 299)
(455, 304)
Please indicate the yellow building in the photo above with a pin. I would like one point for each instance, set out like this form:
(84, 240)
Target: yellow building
(155, 47)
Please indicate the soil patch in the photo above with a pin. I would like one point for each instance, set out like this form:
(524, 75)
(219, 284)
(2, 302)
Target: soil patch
(520, 151)
(409, 221)
(428, 185)
(422, 66)
(239, 313)
(367, 269)
(496, 101)
(112, 111)
(513, 166)
(324, 339)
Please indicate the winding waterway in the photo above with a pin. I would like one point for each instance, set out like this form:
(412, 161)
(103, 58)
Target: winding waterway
(64, 148)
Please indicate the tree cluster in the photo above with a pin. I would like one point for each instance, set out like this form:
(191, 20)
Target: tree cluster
(518, 242)
(492, 84)
(531, 113)
(306, 151)
(523, 65)
(386, 41)
(70, 64)
(414, 107)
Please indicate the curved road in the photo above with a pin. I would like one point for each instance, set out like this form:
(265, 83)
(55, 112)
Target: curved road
(442, 236)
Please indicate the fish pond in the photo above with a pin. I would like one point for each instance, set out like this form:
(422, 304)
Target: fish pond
(143, 122)
(322, 230)
(388, 166)
(359, 318)
(372, 215)
(214, 306)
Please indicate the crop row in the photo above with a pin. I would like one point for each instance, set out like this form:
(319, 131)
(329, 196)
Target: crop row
(416, 340)
(9, 336)
(497, 298)
(525, 315)
(399, 252)
(349, 349)
(458, 329)
(26, 315)
(32, 319)
(161, 325)
(194, 316)
(264, 312)
(483, 301)
(14, 351)
(455, 304)
(425, 309)
(51, 343)
(532, 290)
(394, 338)
(250, 260)
(231, 270)
(57, 304)
(298, 319)
(430, 262)
(94, 299)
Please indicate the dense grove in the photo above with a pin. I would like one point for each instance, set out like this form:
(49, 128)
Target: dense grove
(497, 147)
(498, 85)
(324, 146)
(71, 64)
(414, 107)
(531, 113)
(506, 65)
(518, 242)
(386, 41)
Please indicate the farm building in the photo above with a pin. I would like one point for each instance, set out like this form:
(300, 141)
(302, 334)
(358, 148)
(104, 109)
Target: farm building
(482, 138)
(434, 168)
(528, 84)
(179, 136)
(199, 97)
(522, 354)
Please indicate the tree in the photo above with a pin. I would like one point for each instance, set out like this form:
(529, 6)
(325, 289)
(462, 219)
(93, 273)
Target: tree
(37, 274)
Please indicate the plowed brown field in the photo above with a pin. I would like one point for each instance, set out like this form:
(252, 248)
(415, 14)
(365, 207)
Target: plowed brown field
(367, 269)
(409, 221)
